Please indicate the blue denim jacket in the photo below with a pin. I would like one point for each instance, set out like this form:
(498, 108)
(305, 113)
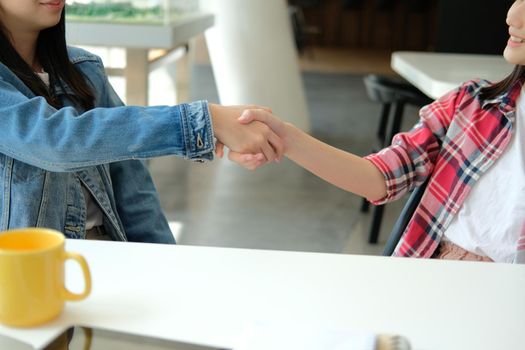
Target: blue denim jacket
(47, 154)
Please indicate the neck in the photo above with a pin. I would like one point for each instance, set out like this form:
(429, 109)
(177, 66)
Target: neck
(25, 46)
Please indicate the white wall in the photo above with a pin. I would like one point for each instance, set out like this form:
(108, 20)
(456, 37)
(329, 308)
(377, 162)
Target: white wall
(254, 58)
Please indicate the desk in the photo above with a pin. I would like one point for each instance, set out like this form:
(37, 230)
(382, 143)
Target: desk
(437, 73)
(209, 295)
(138, 39)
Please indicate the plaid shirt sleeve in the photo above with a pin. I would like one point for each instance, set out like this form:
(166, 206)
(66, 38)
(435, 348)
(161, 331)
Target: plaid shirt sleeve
(457, 139)
(412, 156)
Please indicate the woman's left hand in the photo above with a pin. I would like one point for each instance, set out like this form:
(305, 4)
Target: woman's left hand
(246, 160)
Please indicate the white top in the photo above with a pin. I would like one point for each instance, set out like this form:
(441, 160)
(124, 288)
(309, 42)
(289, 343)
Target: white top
(94, 216)
(45, 77)
(492, 217)
(210, 295)
(437, 73)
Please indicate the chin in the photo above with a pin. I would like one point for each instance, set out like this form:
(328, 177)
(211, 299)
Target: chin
(47, 24)
(514, 57)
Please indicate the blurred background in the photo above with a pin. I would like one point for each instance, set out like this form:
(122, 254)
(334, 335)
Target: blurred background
(305, 59)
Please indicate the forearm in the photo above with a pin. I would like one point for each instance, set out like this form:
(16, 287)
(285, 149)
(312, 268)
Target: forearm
(62, 140)
(342, 169)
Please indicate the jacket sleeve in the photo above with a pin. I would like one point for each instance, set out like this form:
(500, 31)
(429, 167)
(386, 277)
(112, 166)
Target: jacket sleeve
(136, 198)
(138, 204)
(412, 156)
(64, 140)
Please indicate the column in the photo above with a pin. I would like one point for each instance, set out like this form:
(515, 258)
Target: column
(254, 58)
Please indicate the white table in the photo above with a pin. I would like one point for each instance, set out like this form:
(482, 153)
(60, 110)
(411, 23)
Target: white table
(209, 295)
(138, 39)
(437, 73)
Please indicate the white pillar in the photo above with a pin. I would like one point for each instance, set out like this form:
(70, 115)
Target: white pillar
(254, 58)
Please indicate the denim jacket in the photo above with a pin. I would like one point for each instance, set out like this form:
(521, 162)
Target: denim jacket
(46, 155)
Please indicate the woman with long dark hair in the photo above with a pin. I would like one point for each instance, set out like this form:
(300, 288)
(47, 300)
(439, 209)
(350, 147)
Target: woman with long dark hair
(69, 149)
(469, 144)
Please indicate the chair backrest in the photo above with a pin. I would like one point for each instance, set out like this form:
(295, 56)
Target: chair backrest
(298, 22)
(387, 90)
(403, 219)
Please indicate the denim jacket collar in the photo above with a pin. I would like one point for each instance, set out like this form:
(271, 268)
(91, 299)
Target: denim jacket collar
(76, 56)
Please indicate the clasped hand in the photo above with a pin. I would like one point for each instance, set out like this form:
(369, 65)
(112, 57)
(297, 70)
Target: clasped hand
(247, 132)
(242, 129)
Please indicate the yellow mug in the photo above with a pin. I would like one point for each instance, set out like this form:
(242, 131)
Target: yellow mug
(32, 289)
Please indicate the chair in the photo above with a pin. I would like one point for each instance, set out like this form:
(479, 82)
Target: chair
(402, 221)
(393, 95)
(302, 30)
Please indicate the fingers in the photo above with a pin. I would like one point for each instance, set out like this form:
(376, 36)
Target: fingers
(277, 144)
(271, 137)
(265, 108)
(219, 149)
(257, 137)
(268, 151)
(248, 161)
(265, 117)
(250, 115)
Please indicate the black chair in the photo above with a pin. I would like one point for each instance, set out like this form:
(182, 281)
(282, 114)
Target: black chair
(393, 95)
(402, 221)
(302, 30)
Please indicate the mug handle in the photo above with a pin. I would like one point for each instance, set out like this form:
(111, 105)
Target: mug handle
(87, 277)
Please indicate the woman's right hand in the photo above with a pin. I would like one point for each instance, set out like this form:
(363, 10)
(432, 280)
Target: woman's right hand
(245, 138)
(253, 161)
(265, 116)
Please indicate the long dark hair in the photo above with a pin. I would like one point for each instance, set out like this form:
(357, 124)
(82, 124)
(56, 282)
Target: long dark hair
(51, 51)
(494, 90)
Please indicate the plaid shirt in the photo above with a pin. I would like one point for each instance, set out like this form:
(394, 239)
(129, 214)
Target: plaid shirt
(457, 139)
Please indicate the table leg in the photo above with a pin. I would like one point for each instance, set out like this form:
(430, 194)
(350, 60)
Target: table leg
(183, 66)
(136, 74)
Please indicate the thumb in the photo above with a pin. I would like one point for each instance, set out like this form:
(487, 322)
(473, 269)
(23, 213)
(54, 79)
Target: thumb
(265, 108)
(219, 149)
(250, 115)
(247, 116)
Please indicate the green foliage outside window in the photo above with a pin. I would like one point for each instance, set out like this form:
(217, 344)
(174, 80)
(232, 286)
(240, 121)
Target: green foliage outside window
(117, 12)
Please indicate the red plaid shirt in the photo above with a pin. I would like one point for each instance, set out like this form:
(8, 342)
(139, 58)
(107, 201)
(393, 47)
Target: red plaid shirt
(456, 140)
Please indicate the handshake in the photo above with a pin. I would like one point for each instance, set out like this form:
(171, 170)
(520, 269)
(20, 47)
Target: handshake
(252, 133)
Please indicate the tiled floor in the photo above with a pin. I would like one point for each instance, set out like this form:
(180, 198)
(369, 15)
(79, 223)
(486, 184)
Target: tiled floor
(344, 60)
(280, 206)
